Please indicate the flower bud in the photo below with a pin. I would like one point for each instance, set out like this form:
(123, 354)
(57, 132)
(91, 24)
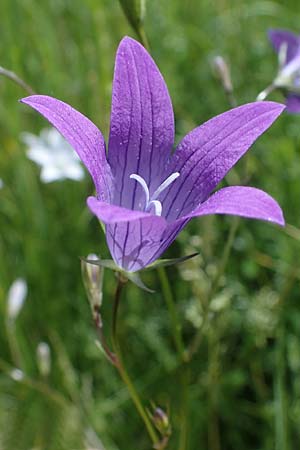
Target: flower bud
(17, 374)
(222, 72)
(161, 421)
(43, 358)
(16, 296)
(92, 276)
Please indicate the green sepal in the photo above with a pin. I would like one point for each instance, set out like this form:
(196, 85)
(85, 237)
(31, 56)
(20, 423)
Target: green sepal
(134, 277)
(169, 262)
(110, 264)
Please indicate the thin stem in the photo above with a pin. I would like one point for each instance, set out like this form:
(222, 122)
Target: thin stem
(123, 372)
(264, 94)
(175, 323)
(226, 253)
(213, 377)
(182, 355)
(39, 386)
(184, 430)
(116, 307)
(16, 79)
(281, 407)
(215, 284)
(99, 328)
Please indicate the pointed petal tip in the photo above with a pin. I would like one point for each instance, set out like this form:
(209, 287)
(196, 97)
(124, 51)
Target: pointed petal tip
(32, 99)
(128, 42)
(275, 105)
(25, 99)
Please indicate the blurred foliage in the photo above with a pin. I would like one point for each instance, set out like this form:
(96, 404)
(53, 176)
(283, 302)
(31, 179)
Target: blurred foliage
(244, 389)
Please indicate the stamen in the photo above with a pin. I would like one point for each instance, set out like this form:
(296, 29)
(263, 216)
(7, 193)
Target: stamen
(165, 184)
(143, 183)
(157, 207)
(153, 200)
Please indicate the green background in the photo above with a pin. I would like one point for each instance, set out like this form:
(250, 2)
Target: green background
(244, 381)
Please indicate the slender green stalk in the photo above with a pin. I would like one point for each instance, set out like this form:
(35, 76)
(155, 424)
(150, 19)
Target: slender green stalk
(39, 386)
(175, 323)
(226, 253)
(184, 430)
(212, 391)
(123, 372)
(281, 407)
(182, 355)
(13, 77)
(215, 284)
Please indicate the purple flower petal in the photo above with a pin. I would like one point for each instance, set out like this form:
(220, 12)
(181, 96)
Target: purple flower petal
(142, 123)
(241, 201)
(207, 153)
(278, 37)
(293, 103)
(133, 237)
(81, 134)
(108, 213)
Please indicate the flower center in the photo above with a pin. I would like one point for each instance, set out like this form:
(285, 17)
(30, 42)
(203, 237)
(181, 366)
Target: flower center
(152, 201)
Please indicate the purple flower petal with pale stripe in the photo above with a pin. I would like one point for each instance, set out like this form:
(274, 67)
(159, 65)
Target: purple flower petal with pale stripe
(142, 123)
(81, 134)
(241, 201)
(145, 196)
(279, 37)
(208, 152)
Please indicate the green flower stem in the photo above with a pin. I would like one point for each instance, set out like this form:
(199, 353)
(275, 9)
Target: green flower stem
(281, 406)
(184, 430)
(13, 77)
(215, 284)
(175, 323)
(282, 432)
(123, 372)
(182, 355)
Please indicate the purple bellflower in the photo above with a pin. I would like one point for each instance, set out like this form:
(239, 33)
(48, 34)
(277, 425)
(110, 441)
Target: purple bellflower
(145, 194)
(287, 46)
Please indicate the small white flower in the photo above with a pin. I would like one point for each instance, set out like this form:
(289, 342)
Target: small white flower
(16, 296)
(54, 155)
(17, 374)
(1, 183)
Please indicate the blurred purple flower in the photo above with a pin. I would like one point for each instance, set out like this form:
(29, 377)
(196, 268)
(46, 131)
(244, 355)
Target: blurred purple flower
(146, 194)
(287, 46)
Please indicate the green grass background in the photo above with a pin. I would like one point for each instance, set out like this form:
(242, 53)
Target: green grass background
(244, 381)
